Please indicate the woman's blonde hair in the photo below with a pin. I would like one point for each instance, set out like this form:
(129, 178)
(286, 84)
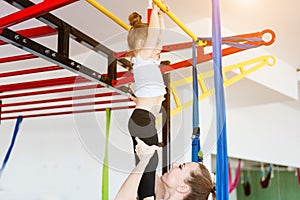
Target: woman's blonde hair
(137, 32)
(201, 185)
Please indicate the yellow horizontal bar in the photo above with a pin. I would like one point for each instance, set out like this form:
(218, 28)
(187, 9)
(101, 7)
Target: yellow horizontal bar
(256, 63)
(263, 59)
(178, 22)
(109, 14)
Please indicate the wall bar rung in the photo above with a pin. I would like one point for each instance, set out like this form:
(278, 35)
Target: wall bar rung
(35, 32)
(70, 105)
(43, 83)
(30, 71)
(68, 112)
(32, 11)
(51, 91)
(17, 58)
(70, 98)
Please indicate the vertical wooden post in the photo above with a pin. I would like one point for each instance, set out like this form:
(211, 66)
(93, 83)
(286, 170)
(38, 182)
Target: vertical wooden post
(166, 129)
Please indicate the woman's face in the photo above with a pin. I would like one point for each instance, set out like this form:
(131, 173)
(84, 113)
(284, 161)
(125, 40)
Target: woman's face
(178, 173)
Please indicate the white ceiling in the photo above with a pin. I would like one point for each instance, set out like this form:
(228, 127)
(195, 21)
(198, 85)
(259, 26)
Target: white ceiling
(239, 16)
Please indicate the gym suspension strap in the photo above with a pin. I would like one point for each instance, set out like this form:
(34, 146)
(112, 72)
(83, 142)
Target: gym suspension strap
(298, 175)
(234, 184)
(264, 181)
(12, 143)
(105, 182)
(221, 157)
(197, 155)
(246, 184)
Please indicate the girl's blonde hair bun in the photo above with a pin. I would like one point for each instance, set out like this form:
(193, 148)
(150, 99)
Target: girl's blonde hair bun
(135, 19)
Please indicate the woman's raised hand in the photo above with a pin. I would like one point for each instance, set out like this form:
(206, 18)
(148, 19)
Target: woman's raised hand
(144, 151)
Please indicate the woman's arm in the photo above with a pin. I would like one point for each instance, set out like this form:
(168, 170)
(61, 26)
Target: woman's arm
(128, 190)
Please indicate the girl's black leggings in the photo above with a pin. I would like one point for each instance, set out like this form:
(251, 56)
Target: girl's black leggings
(142, 124)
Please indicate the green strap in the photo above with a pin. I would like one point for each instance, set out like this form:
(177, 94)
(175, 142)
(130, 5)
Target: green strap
(105, 183)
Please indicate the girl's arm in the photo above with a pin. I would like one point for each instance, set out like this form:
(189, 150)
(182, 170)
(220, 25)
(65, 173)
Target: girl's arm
(162, 27)
(153, 42)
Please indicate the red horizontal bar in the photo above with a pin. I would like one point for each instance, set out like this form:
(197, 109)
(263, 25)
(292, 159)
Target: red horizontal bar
(200, 59)
(32, 11)
(17, 58)
(179, 46)
(43, 83)
(59, 99)
(124, 81)
(68, 112)
(166, 48)
(242, 38)
(245, 38)
(186, 63)
(68, 89)
(35, 32)
(30, 71)
(225, 52)
(66, 106)
(51, 82)
(120, 54)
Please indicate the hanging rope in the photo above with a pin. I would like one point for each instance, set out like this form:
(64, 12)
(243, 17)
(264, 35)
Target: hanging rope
(233, 185)
(298, 175)
(12, 143)
(264, 181)
(222, 158)
(105, 182)
(246, 184)
(197, 155)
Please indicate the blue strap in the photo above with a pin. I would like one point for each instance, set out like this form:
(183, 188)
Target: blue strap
(195, 89)
(237, 44)
(241, 45)
(242, 38)
(233, 38)
(197, 155)
(221, 158)
(6, 158)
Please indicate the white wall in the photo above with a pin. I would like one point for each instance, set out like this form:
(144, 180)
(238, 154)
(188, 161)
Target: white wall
(267, 133)
(60, 158)
(48, 162)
